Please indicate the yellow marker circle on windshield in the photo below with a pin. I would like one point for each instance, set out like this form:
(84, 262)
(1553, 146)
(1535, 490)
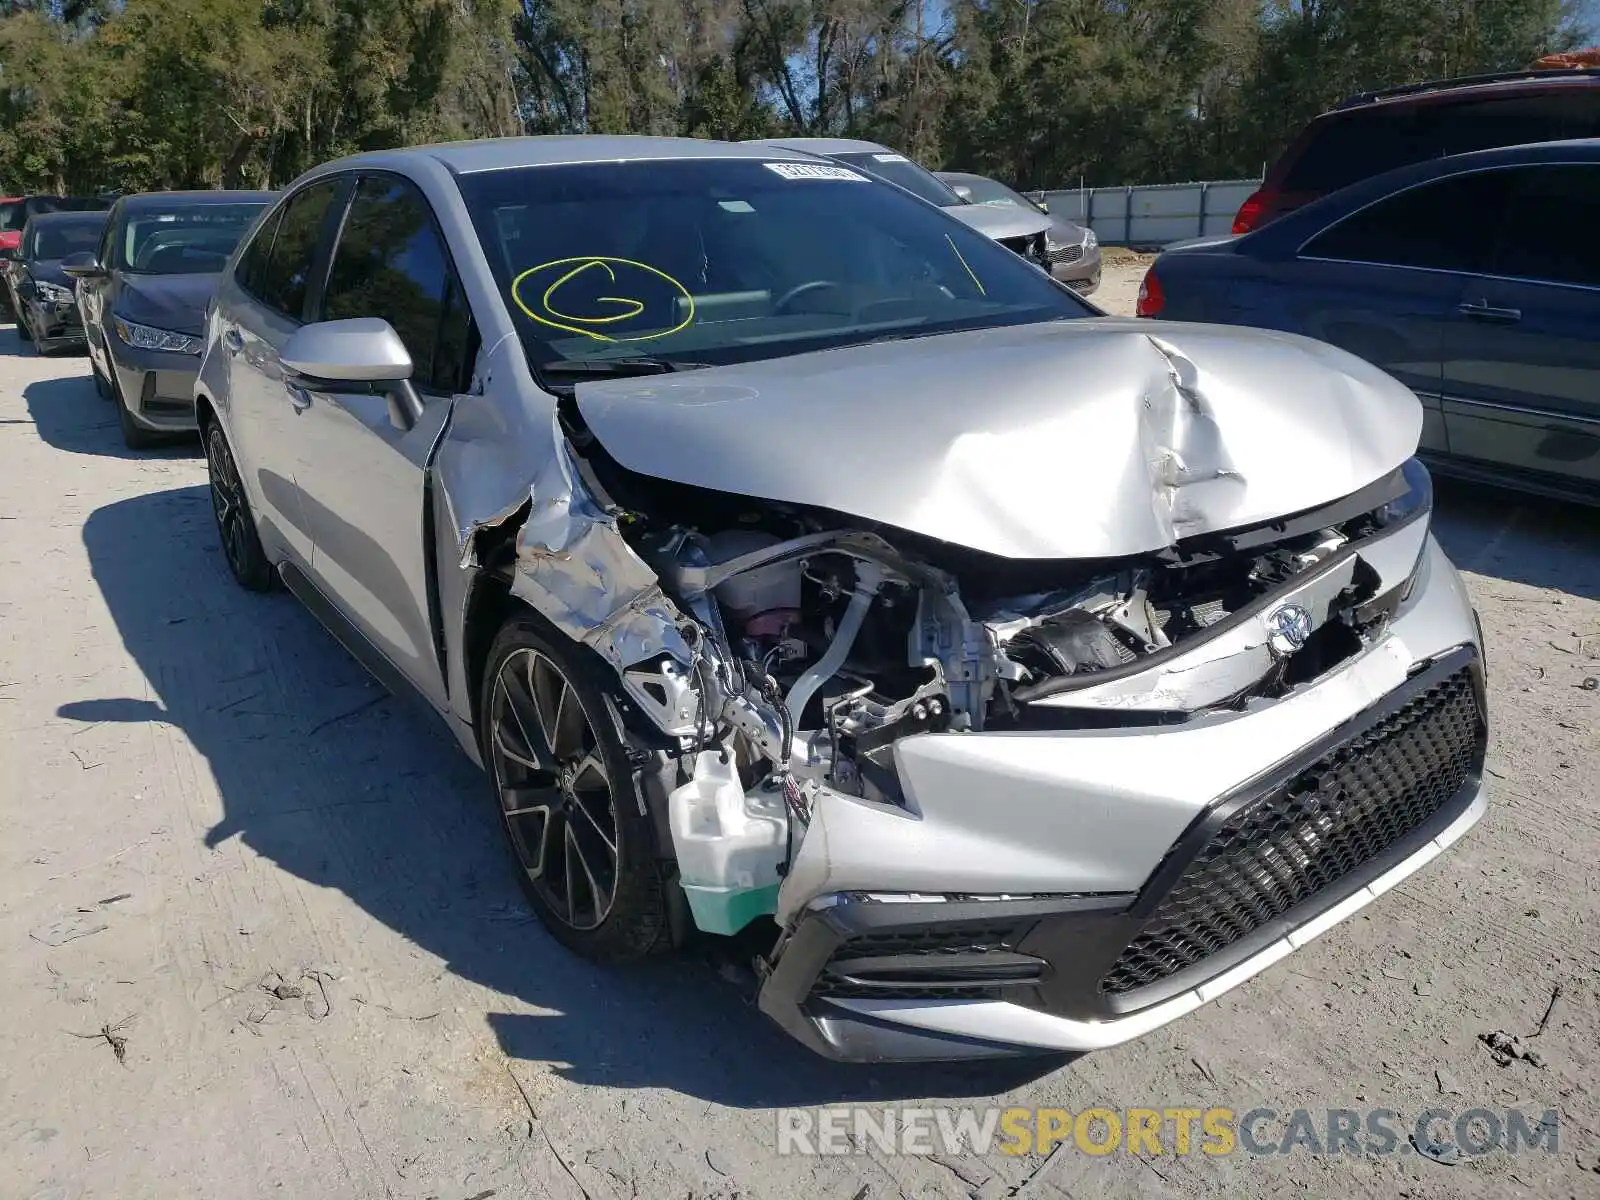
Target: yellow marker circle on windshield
(546, 310)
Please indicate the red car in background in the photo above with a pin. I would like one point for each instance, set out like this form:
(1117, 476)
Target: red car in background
(12, 219)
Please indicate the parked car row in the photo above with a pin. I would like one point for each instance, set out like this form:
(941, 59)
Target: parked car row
(127, 279)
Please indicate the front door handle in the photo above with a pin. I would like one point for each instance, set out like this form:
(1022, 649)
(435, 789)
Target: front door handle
(232, 341)
(1481, 310)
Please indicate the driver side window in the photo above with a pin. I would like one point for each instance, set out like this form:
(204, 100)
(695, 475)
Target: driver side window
(392, 262)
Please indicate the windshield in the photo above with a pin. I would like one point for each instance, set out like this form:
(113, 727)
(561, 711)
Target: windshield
(183, 240)
(901, 171)
(12, 216)
(991, 191)
(61, 238)
(731, 260)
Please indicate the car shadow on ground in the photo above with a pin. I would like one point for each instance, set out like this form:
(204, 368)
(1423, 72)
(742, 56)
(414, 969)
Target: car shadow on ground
(322, 773)
(70, 415)
(1518, 537)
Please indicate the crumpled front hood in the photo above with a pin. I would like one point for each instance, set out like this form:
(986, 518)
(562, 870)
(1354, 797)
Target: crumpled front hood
(1069, 439)
(175, 302)
(1000, 220)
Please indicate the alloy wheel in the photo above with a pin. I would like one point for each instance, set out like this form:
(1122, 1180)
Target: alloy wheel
(227, 501)
(556, 795)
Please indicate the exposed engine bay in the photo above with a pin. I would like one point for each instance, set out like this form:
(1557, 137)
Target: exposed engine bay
(816, 647)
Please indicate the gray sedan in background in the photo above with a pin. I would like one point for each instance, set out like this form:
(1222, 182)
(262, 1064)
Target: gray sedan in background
(143, 294)
(1024, 230)
(1072, 250)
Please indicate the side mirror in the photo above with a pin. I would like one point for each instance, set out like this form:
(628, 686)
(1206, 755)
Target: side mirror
(360, 351)
(83, 265)
(962, 190)
(1043, 207)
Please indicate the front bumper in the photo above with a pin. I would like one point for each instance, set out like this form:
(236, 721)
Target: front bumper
(53, 325)
(1336, 794)
(1076, 266)
(156, 385)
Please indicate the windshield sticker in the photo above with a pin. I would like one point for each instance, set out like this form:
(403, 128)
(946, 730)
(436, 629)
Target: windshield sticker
(976, 282)
(738, 206)
(890, 158)
(544, 292)
(800, 170)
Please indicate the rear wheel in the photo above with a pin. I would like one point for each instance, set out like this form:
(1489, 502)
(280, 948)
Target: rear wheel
(241, 545)
(569, 804)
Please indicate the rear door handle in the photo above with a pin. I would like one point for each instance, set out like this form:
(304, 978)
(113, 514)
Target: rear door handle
(233, 341)
(1482, 311)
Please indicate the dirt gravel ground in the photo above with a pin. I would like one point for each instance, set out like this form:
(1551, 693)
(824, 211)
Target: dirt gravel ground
(258, 937)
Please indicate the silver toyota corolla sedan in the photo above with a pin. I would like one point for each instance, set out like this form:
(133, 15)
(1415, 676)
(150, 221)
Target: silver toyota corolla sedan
(795, 559)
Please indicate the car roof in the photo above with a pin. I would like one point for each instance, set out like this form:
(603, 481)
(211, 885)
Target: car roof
(823, 145)
(140, 200)
(71, 217)
(1572, 150)
(498, 154)
(1377, 187)
(1476, 86)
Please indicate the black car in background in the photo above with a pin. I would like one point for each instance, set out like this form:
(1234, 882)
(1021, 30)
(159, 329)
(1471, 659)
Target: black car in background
(40, 293)
(143, 294)
(1474, 280)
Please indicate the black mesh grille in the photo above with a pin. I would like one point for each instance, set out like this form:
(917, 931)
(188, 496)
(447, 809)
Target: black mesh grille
(1061, 255)
(1285, 847)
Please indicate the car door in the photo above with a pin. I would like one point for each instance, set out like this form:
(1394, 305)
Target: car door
(94, 292)
(268, 299)
(1383, 282)
(1522, 376)
(362, 478)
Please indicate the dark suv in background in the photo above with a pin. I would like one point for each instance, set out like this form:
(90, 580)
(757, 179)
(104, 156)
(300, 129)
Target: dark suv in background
(1380, 131)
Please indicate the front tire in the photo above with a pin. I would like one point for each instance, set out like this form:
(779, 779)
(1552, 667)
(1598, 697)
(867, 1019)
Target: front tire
(568, 800)
(241, 545)
(134, 435)
(102, 385)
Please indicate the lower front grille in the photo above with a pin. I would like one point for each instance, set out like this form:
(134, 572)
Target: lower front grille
(966, 961)
(1282, 848)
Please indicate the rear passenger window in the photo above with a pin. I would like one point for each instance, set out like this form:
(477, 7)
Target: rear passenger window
(1550, 226)
(1365, 143)
(287, 276)
(392, 263)
(1446, 225)
(251, 273)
